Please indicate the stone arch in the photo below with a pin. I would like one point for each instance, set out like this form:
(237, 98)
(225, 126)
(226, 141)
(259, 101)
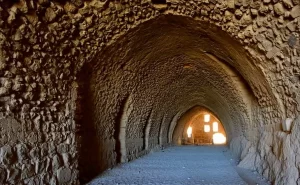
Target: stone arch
(160, 136)
(171, 129)
(147, 130)
(120, 130)
(61, 37)
(188, 117)
(223, 60)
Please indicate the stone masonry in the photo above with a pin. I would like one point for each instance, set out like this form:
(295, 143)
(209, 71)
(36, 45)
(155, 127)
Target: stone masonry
(87, 84)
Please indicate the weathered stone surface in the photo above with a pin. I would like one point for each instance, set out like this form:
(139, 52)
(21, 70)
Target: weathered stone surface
(22, 152)
(230, 4)
(70, 7)
(7, 155)
(278, 8)
(291, 26)
(67, 69)
(56, 163)
(295, 12)
(248, 161)
(288, 3)
(292, 40)
(14, 175)
(28, 172)
(64, 175)
(66, 159)
(3, 175)
(3, 91)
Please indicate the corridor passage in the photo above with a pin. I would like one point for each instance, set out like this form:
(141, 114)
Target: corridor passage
(175, 165)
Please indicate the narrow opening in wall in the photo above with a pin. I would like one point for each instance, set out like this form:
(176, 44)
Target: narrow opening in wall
(206, 118)
(189, 132)
(215, 126)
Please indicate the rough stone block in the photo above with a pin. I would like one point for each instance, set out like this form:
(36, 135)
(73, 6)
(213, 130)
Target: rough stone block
(64, 175)
(3, 175)
(295, 12)
(7, 155)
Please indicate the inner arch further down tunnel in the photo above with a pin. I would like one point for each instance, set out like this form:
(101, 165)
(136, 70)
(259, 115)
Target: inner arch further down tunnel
(196, 120)
(136, 89)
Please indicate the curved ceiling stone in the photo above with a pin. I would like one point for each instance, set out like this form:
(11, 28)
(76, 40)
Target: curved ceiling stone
(171, 62)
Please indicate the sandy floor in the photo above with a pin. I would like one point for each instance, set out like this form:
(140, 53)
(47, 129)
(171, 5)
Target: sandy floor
(181, 165)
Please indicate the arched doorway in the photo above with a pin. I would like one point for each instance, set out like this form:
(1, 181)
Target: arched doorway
(204, 129)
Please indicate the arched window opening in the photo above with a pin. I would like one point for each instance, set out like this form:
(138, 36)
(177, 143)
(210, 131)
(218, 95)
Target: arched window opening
(189, 132)
(206, 118)
(215, 126)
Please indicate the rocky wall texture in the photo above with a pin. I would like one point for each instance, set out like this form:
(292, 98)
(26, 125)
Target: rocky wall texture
(88, 84)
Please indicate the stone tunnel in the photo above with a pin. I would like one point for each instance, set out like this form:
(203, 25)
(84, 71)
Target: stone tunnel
(89, 84)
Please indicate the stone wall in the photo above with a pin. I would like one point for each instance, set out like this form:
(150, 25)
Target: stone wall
(67, 69)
